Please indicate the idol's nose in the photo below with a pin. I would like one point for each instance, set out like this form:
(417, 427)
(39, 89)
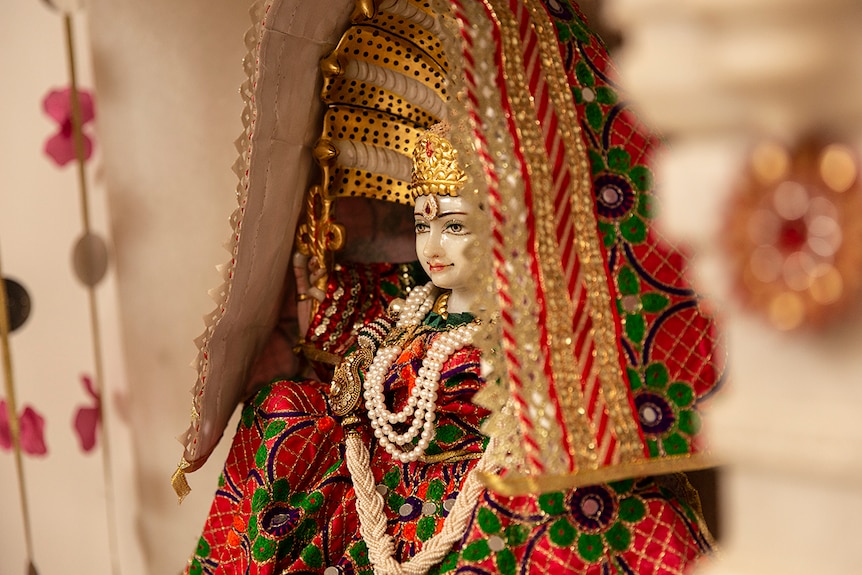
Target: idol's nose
(433, 247)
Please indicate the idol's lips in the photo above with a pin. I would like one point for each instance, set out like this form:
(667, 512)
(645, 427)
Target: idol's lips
(435, 267)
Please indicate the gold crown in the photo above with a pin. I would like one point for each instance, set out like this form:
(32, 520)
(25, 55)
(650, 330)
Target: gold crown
(435, 165)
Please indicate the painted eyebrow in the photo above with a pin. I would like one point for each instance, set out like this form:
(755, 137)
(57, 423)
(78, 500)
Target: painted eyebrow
(441, 215)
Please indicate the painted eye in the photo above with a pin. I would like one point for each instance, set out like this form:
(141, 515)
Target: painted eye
(420, 227)
(456, 228)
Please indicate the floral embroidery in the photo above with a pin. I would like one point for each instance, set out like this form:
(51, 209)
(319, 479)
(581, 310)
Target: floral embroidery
(666, 411)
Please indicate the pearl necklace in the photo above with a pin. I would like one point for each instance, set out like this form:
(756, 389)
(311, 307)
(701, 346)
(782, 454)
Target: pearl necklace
(423, 397)
(418, 304)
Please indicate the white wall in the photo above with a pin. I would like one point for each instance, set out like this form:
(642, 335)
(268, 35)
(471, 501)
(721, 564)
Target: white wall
(165, 76)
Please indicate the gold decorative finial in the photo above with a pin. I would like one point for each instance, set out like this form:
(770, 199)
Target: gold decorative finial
(179, 481)
(435, 165)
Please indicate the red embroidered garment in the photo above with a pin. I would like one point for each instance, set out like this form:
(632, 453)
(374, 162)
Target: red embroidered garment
(285, 502)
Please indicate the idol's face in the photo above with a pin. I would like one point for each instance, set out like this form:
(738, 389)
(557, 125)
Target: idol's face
(446, 241)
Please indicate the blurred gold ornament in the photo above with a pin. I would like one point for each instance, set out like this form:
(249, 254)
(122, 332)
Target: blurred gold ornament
(838, 167)
(770, 162)
(794, 233)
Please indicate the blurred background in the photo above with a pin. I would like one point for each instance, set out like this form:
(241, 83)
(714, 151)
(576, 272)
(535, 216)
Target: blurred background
(164, 77)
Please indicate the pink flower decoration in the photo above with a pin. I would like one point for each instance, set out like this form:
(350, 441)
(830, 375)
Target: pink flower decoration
(32, 431)
(58, 104)
(87, 418)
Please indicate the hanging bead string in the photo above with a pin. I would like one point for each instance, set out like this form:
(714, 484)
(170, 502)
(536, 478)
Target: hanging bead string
(95, 330)
(14, 423)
